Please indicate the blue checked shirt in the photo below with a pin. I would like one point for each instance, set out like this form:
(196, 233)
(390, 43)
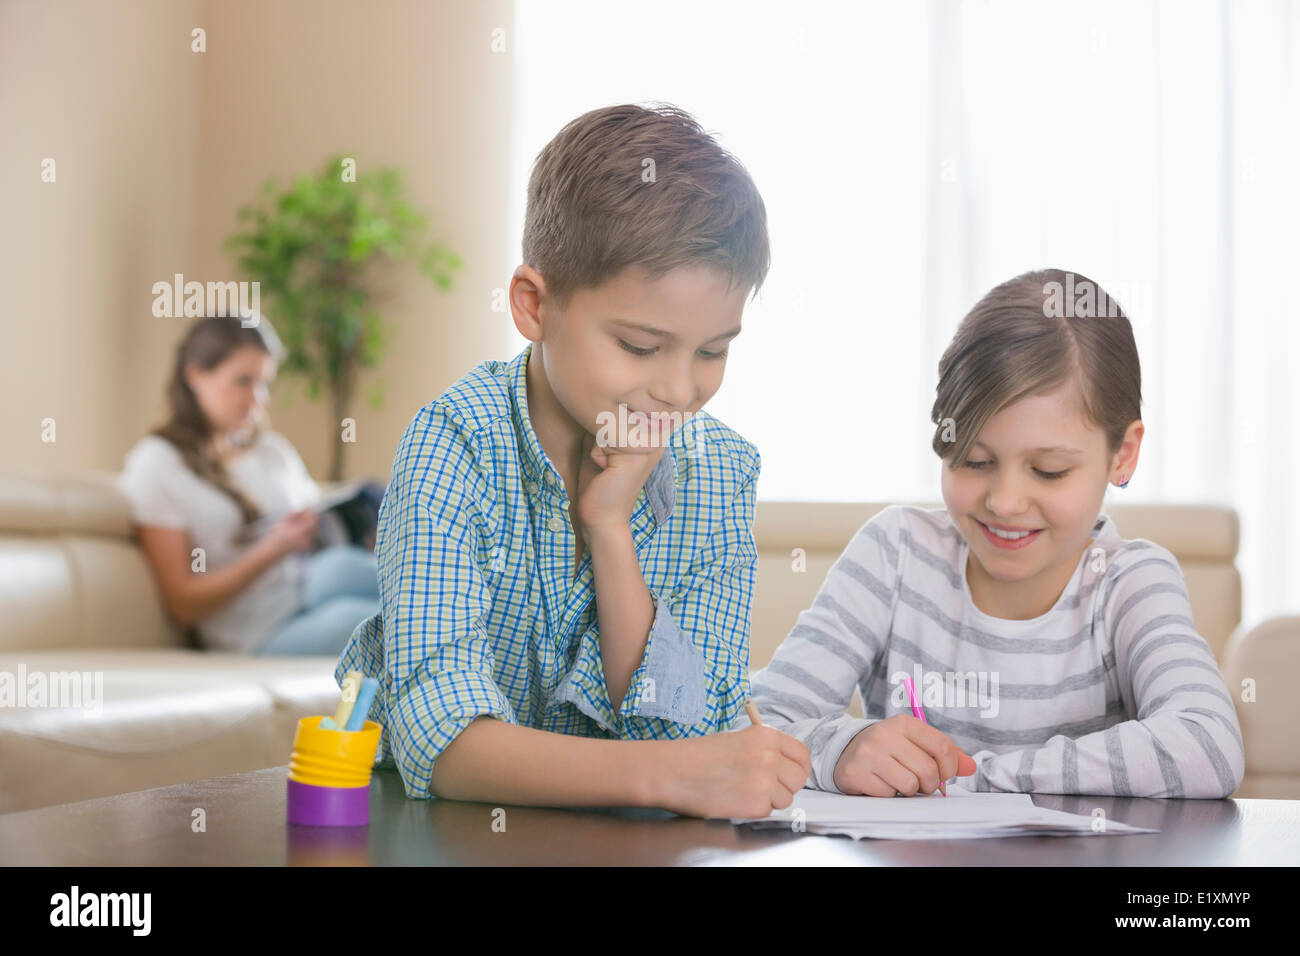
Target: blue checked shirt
(480, 611)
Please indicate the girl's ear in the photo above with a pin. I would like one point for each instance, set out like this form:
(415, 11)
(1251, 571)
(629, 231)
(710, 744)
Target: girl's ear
(1124, 463)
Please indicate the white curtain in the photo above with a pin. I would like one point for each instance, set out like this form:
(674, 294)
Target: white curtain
(914, 155)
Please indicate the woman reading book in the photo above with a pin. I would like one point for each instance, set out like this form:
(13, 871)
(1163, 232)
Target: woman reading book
(229, 517)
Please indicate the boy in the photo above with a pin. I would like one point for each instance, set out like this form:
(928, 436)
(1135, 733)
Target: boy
(566, 561)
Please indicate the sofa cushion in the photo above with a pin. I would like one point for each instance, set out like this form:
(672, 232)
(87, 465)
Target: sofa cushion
(72, 573)
(165, 716)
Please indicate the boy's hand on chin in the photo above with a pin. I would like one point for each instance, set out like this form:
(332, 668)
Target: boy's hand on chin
(610, 479)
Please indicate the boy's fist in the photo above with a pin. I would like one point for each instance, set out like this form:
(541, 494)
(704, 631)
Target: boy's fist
(610, 478)
(738, 773)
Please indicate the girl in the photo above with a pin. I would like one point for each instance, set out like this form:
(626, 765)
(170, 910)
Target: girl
(1061, 657)
(197, 483)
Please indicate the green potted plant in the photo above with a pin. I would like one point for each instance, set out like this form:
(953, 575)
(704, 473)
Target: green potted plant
(311, 247)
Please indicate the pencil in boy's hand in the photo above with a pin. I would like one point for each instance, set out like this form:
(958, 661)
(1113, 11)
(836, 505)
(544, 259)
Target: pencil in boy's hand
(753, 713)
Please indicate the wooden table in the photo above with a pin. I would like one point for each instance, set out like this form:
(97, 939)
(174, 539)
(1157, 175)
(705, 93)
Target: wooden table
(244, 819)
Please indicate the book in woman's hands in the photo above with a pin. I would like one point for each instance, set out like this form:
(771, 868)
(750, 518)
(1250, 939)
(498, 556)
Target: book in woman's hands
(349, 515)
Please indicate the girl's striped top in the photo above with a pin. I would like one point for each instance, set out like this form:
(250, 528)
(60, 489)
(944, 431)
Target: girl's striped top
(1112, 691)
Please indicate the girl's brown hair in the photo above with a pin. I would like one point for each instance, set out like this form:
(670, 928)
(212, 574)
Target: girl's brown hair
(209, 342)
(630, 185)
(1029, 336)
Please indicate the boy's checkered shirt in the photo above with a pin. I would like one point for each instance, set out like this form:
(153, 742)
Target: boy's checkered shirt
(480, 612)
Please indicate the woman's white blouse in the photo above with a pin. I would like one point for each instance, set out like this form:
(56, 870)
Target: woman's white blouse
(164, 492)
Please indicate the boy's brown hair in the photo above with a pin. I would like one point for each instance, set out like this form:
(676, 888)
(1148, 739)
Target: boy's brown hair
(630, 185)
(1028, 336)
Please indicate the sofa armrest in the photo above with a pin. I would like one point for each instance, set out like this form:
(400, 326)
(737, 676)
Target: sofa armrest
(1260, 666)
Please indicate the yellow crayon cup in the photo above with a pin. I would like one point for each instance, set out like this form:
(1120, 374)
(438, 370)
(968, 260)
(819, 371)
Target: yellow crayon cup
(329, 774)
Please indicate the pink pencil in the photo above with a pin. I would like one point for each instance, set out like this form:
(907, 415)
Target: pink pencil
(918, 712)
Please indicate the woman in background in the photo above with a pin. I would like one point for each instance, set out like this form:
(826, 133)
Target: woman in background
(197, 484)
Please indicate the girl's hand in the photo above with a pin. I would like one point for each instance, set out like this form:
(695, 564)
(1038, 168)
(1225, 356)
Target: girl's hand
(293, 532)
(610, 478)
(900, 753)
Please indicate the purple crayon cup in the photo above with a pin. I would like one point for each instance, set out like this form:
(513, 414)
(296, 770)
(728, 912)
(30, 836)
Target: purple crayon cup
(329, 774)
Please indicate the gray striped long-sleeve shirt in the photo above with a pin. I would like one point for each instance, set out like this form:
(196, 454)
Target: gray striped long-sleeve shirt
(1112, 691)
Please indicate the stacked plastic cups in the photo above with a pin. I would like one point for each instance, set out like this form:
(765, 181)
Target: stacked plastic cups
(329, 774)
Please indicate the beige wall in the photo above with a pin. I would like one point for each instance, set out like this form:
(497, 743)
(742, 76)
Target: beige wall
(156, 149)
(80, 83)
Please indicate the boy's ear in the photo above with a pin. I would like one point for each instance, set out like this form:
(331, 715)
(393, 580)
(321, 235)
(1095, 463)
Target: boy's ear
(527, 291)
(1126, 458)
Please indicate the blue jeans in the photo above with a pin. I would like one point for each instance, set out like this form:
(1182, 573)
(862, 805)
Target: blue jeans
(340, 590)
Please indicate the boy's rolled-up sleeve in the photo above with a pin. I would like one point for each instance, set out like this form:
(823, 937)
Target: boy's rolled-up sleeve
(672, 684)
(437, 663)
(694, 676)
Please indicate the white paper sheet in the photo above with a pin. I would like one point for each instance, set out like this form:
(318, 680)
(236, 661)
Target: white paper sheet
(960, 815)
